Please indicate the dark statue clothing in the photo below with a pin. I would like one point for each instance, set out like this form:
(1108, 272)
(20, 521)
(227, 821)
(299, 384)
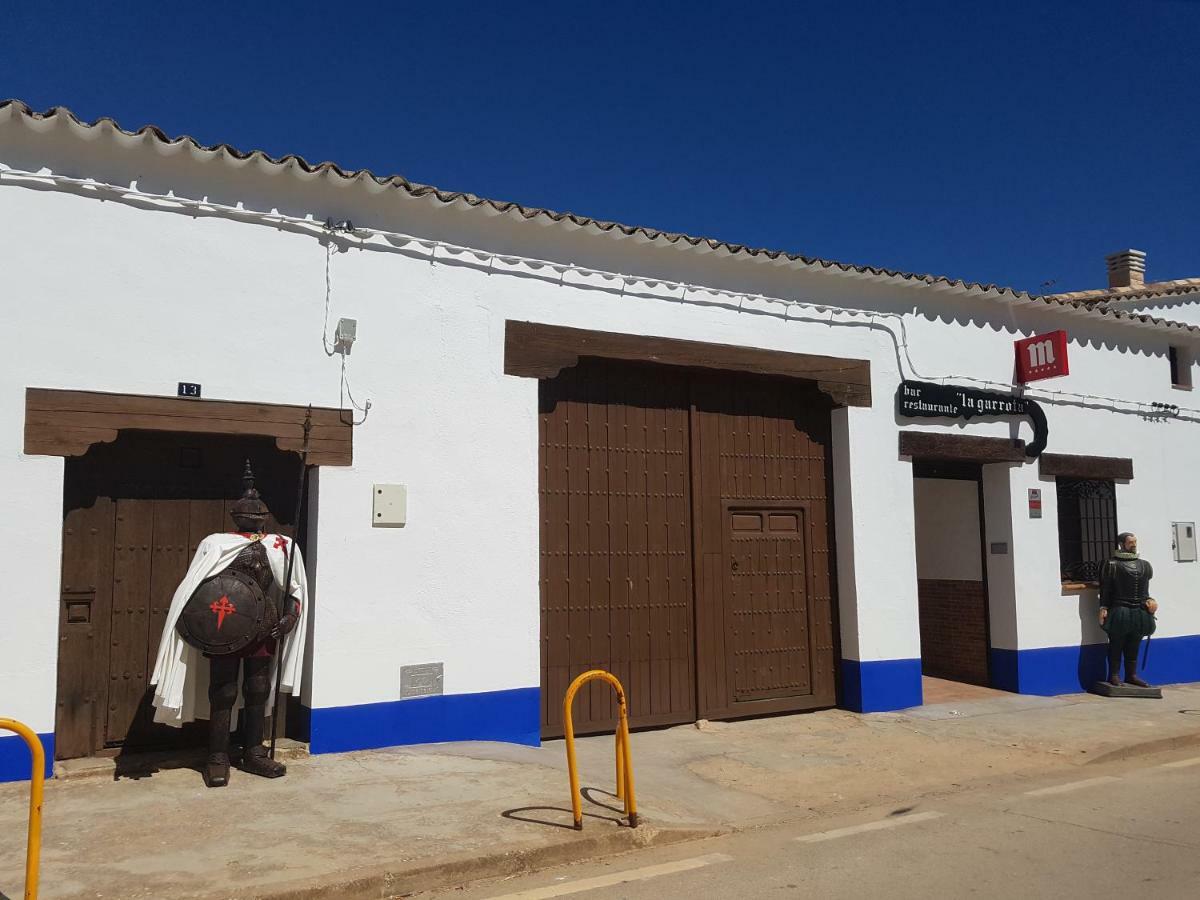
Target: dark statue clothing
(1124, 590)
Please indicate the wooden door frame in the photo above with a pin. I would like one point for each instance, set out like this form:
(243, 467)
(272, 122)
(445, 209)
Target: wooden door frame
(68, 423)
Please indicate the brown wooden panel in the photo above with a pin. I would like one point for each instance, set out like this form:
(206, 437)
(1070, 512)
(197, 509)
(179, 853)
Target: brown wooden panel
(763, 535)
(543, 351)
(83, 629)
(969, 448)
(1065, 465)
(616, 564)
(767, 604)
(132, 573)
(67, 423)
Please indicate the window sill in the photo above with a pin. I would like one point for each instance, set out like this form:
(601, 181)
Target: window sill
(1181, 387)
(1075, 587)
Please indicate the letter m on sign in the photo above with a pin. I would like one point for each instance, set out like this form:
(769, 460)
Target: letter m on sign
(1042, 356)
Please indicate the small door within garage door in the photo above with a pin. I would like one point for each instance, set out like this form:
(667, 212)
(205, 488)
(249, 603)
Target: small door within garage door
(650, 474)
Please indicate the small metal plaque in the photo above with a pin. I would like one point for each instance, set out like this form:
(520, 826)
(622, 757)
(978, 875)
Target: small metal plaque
(1000, 549)
(189, 389)
(422, 680)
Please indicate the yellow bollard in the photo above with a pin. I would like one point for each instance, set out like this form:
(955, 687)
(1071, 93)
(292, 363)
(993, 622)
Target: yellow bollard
(624, 764)
(33, 850)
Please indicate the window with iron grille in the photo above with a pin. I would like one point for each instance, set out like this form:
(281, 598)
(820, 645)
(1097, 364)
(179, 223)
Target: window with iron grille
(1087, 527)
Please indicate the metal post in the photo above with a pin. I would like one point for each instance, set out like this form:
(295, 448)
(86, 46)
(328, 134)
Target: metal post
(37, 779)
(287, 577)
(624, 763)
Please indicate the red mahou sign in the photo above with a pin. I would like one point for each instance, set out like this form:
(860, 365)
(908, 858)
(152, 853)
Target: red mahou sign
(1042, 356)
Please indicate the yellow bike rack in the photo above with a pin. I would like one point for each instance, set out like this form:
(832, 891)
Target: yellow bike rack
(36, 779)
(624, 763)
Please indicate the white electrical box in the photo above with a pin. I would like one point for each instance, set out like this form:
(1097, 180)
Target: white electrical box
(1184, 541)
(390, 509)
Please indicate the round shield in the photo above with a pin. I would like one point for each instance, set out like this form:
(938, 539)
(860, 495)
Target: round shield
(225, 614)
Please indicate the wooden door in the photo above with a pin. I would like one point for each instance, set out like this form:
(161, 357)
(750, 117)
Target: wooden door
(763, 533)
(616, 572)
(134, 513)
(85, 607)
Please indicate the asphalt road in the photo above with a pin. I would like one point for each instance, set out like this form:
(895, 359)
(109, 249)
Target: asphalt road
(1128, 830)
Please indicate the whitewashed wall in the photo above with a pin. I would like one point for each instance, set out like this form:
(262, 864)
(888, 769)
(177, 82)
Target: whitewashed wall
(117, 296)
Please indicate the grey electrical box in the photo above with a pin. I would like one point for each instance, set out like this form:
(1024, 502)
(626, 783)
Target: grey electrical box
(422, 680)
(390, 506)
(1184, 541)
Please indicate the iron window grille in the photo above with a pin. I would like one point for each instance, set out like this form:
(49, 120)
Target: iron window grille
(1087, 527)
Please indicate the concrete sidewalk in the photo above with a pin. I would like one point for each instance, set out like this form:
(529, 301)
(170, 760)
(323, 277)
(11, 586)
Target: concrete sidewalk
(384, 823)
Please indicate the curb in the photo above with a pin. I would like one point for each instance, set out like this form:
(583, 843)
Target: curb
(1147, 748)
(454, 871)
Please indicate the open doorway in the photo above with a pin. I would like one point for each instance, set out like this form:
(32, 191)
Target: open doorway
(952, 589)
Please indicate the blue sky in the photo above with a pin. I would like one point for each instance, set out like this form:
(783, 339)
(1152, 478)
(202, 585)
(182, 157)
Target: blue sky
(1006, 142)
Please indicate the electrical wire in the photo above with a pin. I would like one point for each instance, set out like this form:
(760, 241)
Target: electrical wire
(901, 340)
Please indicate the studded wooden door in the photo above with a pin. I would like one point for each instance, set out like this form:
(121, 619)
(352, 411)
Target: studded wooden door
(134, 513)
(648, 474)
(616, 571)
(761, 470)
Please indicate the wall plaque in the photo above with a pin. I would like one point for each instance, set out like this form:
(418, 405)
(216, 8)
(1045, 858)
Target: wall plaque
(422, 680)
(925, 400)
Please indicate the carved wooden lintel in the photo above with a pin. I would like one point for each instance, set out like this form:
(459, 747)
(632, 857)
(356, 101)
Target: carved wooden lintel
(534, 350)
(67, 423)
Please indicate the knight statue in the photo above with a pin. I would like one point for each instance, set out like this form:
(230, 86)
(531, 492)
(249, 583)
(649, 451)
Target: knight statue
(1126, 609)
(231, 610)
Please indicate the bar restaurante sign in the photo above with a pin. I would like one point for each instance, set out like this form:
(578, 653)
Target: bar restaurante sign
(925, 400)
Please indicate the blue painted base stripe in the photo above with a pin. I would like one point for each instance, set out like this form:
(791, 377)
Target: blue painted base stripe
(1067, 670)
(15, 761)
(881, 685)
(513, 716)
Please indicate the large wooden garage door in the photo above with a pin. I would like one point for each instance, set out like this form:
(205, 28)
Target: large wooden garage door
(640, 467)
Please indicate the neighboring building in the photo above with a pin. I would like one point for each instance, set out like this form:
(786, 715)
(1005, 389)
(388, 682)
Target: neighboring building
(1128, 291)
(690, 451)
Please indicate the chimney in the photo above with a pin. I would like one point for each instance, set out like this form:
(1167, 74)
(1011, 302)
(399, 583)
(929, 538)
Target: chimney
(1126, 269)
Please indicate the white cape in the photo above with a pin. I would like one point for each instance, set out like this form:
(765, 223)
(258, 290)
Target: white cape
(180, 676)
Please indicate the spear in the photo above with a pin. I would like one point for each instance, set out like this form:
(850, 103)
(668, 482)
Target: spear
(287, 578)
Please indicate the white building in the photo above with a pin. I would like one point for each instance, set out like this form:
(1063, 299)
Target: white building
(691, 452)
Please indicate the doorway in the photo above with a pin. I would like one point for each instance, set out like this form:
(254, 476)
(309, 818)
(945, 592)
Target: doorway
(134, 511)
(952, 592)
(686, 543)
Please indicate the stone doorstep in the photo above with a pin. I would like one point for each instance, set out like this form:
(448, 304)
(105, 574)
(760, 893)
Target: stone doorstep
(106, 766)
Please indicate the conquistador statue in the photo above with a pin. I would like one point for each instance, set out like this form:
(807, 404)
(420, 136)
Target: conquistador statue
(1126, 608)
(231, 613)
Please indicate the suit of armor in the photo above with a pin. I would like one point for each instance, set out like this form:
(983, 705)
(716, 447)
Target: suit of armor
(255, 660)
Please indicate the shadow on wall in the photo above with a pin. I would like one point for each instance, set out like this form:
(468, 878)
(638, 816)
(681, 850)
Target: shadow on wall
(1093, 642)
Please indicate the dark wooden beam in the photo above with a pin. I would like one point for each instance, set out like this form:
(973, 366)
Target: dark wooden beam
(1066, 465)
(67, 423)
(534, 350)
(961, 447)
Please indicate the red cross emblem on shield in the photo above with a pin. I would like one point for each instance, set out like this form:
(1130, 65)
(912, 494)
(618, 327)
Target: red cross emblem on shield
(222, 608)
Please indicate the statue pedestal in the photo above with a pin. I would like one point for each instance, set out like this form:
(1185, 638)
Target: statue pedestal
(1105, 689)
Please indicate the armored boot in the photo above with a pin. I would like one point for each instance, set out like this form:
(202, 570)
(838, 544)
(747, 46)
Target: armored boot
(1131, 675)
(257, 689)
(222, 694)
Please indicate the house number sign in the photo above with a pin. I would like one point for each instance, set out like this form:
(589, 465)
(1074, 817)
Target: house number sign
(925, 400)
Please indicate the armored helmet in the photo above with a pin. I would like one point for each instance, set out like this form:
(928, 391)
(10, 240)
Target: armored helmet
(249, 511)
